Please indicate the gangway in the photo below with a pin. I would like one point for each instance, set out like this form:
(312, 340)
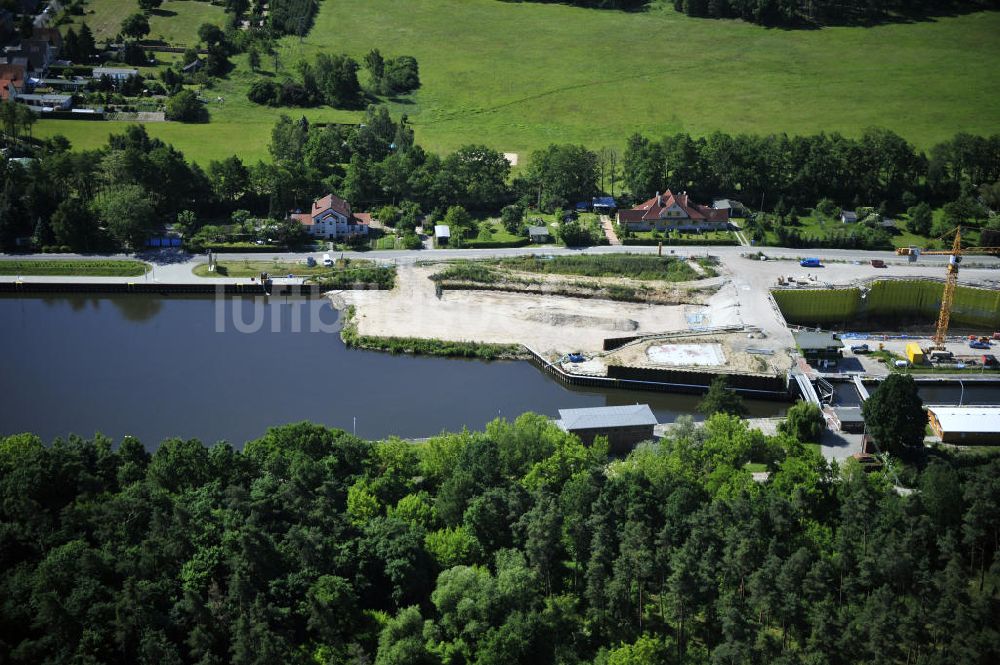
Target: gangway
(862, 391)
(825, 390)
(806, 388)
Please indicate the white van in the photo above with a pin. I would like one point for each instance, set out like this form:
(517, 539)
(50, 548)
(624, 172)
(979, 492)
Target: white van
(327, 261)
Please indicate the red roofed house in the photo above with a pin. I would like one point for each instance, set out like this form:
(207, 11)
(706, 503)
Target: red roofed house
(331, 218)
(673, 211)
(11, 81)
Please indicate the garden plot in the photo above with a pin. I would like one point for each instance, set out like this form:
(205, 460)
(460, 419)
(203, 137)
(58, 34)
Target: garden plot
(687, 355)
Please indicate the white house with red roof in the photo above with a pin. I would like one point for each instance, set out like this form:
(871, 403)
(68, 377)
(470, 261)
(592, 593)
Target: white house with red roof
(331, 218)
(673, 211)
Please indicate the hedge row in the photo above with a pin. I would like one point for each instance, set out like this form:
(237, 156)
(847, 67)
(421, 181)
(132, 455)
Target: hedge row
(493, 244)
(243, 247)
(694, 242)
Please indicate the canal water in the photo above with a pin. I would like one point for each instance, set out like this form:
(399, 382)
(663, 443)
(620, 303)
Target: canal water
(228, 369)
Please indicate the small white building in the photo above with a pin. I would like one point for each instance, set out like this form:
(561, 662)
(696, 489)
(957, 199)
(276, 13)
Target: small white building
(442, 234)
(331, 219)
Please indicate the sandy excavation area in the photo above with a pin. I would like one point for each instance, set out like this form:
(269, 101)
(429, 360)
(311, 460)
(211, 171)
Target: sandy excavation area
(547, 324)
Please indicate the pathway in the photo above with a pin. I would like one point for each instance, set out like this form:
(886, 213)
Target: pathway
(609, 230)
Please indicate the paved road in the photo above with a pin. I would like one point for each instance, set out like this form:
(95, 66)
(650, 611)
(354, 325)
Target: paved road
(168, 258)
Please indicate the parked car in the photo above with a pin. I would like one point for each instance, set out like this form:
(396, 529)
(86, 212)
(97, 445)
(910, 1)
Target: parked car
(576, 358)
(810, 263)
(860, 348)
(878, 263)
(976, 344)
(901, 363)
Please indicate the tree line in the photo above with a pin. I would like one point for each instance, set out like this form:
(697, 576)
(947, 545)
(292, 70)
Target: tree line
(802, 13)
(516, 544)
(824, 12)
(377, 164)
(763, 171)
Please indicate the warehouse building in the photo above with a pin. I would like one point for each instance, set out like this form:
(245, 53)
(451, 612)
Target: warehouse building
(966, 425)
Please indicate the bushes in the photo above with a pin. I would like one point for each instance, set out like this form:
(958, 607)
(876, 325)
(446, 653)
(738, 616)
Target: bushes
(379, 277)
(635, 266)
(186, 107)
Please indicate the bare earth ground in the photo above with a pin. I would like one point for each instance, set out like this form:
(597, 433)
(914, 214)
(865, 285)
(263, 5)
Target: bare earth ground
(555, 325)
(544, 323)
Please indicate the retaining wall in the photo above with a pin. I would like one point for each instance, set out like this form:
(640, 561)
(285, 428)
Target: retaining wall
(895, 299)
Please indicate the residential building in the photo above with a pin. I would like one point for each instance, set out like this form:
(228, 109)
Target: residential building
(673, 211)
(50, 35)
(331, 219)
(624, 426)
(34, 54)
(13, 80)
(966, 425)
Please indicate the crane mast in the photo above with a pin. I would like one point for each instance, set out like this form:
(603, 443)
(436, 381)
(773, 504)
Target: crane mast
(948, 296)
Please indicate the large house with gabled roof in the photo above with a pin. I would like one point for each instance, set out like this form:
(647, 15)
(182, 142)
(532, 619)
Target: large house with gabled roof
(331, 218)
(673, 211)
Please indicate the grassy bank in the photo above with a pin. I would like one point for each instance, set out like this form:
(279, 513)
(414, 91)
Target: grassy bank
(347, 274)
(633, 266)
(75, 268)
(254, 268)
(426, 347)
(518, 76)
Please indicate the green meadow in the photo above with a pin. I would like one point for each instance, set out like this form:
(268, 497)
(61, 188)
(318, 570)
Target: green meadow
(518, 76)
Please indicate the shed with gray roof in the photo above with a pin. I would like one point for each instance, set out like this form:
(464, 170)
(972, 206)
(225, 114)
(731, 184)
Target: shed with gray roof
(624, 426)
(539, 234)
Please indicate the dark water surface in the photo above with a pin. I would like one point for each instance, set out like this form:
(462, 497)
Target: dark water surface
(174, 366)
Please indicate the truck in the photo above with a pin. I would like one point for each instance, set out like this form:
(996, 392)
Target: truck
(810, 263)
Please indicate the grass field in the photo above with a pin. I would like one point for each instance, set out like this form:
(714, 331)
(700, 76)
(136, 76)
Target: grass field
(634, 266)
(255, 268)
(518, 76)
(74, 267)
(175, 22)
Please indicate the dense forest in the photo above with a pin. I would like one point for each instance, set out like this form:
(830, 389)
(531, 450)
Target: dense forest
(513, 545)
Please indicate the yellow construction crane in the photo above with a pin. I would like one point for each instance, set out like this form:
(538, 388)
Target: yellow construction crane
(951, 279)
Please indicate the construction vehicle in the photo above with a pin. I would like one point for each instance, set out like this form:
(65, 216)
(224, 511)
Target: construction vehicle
(951, 278)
